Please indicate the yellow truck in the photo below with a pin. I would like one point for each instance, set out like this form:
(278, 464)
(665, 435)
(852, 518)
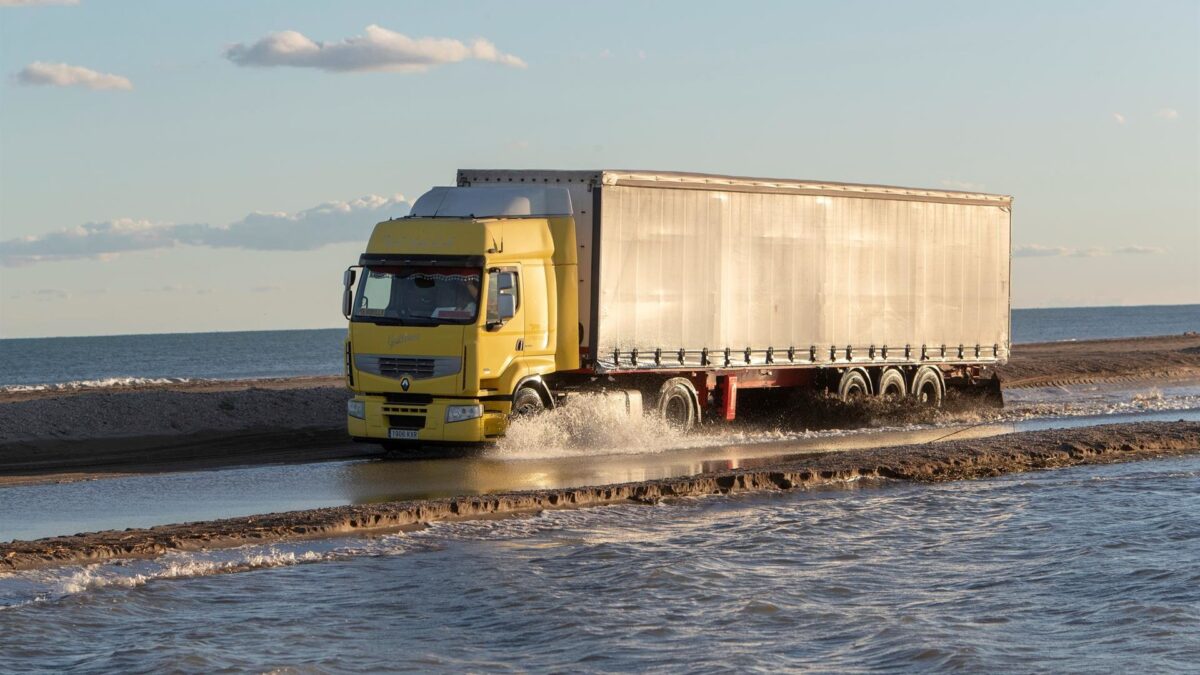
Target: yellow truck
(515, 289)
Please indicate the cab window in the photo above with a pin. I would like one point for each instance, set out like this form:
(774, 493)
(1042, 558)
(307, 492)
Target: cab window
(496, 278)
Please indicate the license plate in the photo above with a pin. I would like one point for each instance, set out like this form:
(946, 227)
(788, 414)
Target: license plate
(403, 434)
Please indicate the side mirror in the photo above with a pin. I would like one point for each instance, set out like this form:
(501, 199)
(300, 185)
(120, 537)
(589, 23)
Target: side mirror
(348, 278)
(347, 301)
(506, 307)
(505, 282)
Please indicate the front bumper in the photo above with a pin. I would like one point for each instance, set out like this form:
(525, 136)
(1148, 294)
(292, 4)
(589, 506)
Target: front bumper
(429, 421)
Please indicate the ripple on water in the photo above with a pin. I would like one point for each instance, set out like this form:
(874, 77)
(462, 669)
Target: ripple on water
(1080, 569)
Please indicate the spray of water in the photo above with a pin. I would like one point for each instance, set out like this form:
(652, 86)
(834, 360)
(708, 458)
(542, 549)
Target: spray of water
(588, 425)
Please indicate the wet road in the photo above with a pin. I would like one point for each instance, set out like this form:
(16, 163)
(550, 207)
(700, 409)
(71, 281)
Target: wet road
(34, 511)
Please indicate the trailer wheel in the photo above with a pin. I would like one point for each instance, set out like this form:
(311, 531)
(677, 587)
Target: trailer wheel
(853, 386)
(892, 385)
(526, 402)
(678, 403)
(928, 387)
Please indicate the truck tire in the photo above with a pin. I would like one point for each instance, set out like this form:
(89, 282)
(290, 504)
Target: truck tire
(928, 387)
(853, 385)
(678, 404)
(527, 402)
(892, 385)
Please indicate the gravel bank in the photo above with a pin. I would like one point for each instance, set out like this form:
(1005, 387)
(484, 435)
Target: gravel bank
(952, 460)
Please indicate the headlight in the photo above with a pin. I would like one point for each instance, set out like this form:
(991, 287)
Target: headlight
(459, 413)
(356, 408)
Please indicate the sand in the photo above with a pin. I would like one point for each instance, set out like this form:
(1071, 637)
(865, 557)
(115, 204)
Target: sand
(55, 435)
(950, 460)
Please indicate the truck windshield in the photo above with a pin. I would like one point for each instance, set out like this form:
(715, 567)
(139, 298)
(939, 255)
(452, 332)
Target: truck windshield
(418, 296)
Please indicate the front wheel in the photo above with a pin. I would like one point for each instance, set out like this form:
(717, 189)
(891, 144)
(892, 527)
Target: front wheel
(527, 402)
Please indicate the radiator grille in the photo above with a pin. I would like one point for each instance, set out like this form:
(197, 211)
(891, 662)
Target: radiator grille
(416, 367)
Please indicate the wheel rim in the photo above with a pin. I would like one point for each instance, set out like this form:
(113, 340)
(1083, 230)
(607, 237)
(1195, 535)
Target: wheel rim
(854, 390)
(928, 392)
(677, 410)
(529, 405)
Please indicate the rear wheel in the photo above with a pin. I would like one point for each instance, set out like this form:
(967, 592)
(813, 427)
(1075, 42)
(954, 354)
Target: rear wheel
(678, 403)
(892, 385)
(927, 386)
(853, 386)
(526, 402)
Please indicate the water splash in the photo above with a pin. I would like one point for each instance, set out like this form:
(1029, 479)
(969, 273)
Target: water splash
(588, 425)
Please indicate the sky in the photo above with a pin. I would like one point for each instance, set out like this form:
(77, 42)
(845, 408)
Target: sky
(201, 166)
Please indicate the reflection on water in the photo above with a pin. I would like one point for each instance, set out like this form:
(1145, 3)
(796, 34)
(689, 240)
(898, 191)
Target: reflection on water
(1090, 569)
(36, 511)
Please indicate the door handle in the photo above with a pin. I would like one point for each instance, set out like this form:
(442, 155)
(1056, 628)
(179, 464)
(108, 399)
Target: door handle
(521, 344)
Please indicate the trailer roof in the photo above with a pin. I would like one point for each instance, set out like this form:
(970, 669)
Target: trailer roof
(701, 181)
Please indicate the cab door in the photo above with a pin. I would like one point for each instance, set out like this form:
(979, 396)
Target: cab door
(502, 338)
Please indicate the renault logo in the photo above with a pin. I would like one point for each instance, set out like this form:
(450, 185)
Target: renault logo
(404, 383)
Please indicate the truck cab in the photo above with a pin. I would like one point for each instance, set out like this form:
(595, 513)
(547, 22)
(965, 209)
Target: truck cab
(459, 310)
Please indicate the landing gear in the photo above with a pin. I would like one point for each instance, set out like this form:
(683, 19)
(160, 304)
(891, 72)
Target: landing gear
(678, 403)
(928, 387)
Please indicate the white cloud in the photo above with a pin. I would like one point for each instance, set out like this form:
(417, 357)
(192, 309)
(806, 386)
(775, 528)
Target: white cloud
(36, 3)
(66, 75)
(962, 185)
(1167, 114)
(1040, 251)
(328, 223)
(1138, 250)
(379, 50)
(1120, 119)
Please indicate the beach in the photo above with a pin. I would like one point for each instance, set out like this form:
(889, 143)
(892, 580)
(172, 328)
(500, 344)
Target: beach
(93, 432)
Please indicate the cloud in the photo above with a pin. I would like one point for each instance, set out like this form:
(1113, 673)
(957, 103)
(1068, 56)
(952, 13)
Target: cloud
(328, 223)
(962, 185)
(177, 289)
(66, 75)
(1138, 250)
(1039, 251)
(1120, 119)
(1167, 114)
(379, 50)
(36, 3)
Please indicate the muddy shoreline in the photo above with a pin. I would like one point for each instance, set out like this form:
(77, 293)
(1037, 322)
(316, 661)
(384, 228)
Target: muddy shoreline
(946, 461)
(92, 433)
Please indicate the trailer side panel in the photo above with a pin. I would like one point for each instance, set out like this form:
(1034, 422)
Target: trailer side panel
(825, 276)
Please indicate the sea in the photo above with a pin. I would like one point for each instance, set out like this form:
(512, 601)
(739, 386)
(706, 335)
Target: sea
(1086, 570)
(67, 362)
